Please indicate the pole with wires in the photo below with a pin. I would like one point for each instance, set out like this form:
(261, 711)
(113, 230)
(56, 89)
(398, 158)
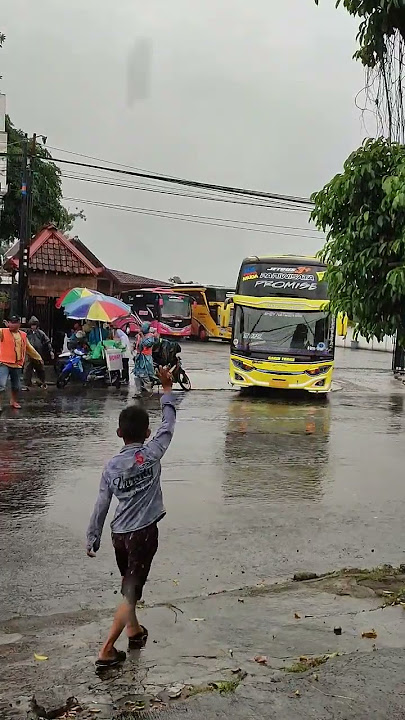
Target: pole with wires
(24, 231)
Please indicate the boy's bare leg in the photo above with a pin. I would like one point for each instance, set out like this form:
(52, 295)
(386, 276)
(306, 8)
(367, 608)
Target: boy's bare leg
(125, 616)
(133, 627)
(121, 618)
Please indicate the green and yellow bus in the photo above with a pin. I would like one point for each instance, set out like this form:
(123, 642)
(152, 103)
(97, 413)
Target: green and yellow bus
(283, 335)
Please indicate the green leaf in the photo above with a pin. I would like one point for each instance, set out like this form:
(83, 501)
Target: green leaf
(365, 245)
(47, 193)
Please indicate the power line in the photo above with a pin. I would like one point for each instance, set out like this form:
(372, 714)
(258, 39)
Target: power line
(188, 183)
(109, 162)
(205, 217)
(156, 189)
(161, 176)
(170, 179)
(198, 219)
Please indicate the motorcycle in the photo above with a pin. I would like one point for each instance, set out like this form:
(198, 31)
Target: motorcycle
(74, 367)
(166, 353)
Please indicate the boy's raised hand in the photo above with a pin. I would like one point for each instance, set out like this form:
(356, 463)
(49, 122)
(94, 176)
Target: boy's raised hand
(165, 378)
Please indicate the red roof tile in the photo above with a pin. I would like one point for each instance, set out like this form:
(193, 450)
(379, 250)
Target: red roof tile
(135, 281)
(51, 251)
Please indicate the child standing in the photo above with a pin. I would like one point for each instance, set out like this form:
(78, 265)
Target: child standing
(133, 476)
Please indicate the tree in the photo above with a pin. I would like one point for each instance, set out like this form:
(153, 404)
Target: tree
(46, 190)
(363, 212)
(381, 39)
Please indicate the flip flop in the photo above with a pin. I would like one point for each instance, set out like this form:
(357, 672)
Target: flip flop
(120, 656)
(138, 641)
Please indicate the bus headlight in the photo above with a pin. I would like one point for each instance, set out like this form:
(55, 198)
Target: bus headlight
(241, 365)
(318, 371)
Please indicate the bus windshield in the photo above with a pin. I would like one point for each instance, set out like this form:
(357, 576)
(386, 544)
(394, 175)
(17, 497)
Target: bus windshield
(176, 306)
(286, 332)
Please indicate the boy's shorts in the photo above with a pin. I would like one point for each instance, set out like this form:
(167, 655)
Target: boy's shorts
(134, 552)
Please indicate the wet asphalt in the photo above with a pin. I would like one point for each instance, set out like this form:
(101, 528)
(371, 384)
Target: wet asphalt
(256, 487)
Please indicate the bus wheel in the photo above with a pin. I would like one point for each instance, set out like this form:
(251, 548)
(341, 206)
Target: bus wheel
(202, 334)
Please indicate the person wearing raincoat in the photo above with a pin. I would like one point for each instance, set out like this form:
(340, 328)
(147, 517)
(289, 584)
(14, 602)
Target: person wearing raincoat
(143, 368)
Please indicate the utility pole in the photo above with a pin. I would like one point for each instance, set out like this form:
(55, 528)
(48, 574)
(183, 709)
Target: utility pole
(3, 152)
(26, 221)
(23, 254)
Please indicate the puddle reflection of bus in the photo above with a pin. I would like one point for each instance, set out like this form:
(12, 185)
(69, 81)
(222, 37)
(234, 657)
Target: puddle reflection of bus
(276, 450)
(208, 311)
(167, 310)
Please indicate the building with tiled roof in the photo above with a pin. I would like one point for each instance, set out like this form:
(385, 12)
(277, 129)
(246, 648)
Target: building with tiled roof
(58, 263)
(128, 281)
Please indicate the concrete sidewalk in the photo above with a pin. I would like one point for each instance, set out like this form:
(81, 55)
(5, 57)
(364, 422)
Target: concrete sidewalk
(208, 645)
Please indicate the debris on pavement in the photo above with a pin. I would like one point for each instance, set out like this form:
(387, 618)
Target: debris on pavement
(175, 690)
(261, 659)
(40, 658)
(370, 634)
(337, 630)
(302, 576)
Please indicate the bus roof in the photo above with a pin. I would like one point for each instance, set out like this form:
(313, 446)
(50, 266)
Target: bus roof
(291, 259)
(191, 286)
(157, 290)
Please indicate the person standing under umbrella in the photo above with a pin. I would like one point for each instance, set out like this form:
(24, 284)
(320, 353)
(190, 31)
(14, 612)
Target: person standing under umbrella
(42, 344)
(143, 368)
(121, 337)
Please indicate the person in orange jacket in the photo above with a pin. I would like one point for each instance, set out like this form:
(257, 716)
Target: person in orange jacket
(14, 346)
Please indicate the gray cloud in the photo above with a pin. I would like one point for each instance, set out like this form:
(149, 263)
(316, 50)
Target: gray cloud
(257, 95)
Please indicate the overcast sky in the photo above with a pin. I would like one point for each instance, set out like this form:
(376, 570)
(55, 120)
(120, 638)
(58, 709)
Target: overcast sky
(256, 95)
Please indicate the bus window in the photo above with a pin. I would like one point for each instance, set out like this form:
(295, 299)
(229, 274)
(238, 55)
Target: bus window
(199, 298)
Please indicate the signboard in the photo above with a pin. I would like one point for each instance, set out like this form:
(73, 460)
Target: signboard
(266, 280)
(113, 359)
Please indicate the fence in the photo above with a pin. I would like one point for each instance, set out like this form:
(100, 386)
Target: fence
(386, 345)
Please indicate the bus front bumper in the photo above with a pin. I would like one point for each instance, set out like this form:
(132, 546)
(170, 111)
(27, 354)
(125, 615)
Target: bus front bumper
(312, 377)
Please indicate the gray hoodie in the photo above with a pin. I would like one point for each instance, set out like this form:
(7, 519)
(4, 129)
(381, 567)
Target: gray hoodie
(133, 476)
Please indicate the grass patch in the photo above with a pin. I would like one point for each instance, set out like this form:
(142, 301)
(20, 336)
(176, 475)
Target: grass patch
(378, 574)
(395, 598)
(308, 663)
(226, 686)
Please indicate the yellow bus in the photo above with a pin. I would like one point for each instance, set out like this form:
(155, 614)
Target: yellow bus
(207, 317)
(283, 335)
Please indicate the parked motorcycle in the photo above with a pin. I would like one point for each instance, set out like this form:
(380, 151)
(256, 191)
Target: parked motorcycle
(74, 367)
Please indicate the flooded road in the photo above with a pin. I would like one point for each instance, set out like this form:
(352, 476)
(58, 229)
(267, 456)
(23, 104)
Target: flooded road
(256, 488)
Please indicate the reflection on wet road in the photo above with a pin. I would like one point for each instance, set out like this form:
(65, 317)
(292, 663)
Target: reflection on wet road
(255, 486)
(277, 450)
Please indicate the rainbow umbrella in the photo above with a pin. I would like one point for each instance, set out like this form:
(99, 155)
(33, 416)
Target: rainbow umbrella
(71, 296)
(99, 308)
